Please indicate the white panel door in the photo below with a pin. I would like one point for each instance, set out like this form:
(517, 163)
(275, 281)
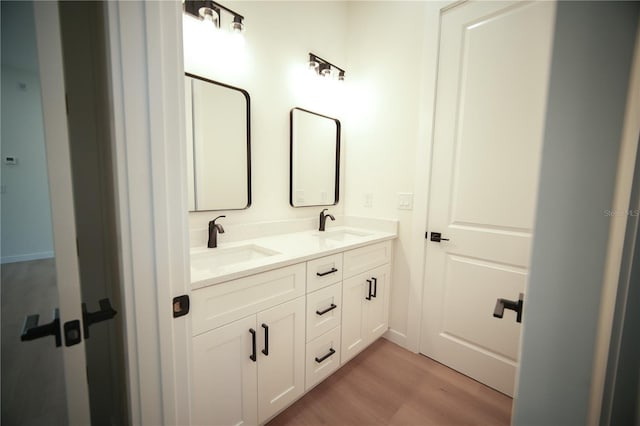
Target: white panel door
(493, 74)
(225, 379)
(67, 278)
(280, 357)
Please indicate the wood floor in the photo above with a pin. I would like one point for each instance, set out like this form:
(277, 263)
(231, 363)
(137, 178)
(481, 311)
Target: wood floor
(33, 390)
(388, 385)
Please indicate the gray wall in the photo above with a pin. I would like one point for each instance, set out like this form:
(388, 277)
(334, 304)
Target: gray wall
(592, 53)
(26, 214)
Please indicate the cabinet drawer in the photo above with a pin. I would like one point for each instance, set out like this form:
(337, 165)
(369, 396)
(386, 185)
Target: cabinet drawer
(324, 271)
(220, 304)
(365, 258)
(324, 310)
(323, 357)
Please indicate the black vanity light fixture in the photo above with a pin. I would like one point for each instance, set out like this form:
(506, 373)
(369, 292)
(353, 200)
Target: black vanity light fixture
(324, 68)
(210, 11)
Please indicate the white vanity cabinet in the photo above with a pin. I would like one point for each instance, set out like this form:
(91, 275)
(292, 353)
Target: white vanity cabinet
(247, 370)
(260, 342)
(365, 297)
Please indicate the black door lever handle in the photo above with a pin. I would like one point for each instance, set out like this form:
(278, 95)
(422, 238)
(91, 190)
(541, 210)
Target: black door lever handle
(437, 237)
(31, 330)
(514, 305)
(105, 313)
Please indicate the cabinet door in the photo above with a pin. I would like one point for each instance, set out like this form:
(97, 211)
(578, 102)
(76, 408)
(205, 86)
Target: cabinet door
(224, 377)
(354, 292)
(377, 309)
(280, 357)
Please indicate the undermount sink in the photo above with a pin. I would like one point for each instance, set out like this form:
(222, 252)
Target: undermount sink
(342, 235)
(215, 258)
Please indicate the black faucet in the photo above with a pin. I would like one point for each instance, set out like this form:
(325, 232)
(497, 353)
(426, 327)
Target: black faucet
(214, 229)
(323, 219)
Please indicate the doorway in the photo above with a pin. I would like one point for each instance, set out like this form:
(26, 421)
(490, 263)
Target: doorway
(493, 72)
(35, 387)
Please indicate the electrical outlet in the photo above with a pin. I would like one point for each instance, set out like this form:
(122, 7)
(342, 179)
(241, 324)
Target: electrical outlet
(405, 200)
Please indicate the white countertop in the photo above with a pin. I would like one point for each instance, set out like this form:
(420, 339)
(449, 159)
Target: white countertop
(291, 248)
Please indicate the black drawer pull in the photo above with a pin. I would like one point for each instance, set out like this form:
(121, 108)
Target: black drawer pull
(266, 339)
(253, 357)
(322, 358)
(329, 309)
(331, 271)
(375, 286)
(369, 296)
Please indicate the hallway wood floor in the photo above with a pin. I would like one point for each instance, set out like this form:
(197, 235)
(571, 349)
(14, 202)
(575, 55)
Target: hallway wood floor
(388, 385)
(33, 391)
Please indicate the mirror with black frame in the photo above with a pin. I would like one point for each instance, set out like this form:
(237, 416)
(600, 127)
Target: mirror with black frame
(314, 159)
(218, 145)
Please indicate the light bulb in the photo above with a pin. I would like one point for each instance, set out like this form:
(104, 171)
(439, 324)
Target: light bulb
(325, 70)
(237, 26)
(211, 15)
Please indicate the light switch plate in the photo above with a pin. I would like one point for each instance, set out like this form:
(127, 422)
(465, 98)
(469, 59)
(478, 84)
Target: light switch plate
(368, 200)
(405, 200)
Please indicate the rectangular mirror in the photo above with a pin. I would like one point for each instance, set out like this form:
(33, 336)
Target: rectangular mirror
(315, 159)
(218, 145)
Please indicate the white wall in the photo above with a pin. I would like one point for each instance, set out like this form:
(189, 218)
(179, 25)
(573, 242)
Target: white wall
(592, 53)
(380, 44)
(271, 66)
(384, 68)
(26, 215)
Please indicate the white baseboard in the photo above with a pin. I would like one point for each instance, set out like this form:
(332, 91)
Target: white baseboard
(26, 257)
(398, 338)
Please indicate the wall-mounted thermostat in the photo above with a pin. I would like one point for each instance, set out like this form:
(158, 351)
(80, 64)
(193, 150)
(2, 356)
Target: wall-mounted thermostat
(10, 160)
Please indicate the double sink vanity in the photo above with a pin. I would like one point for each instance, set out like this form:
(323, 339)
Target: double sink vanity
(274, 316)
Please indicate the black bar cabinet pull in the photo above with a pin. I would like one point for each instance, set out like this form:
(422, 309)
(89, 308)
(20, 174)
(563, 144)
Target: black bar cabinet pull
(375, 286)
(369, 296)
(31, 330)
(330, 271)
(329, 309)
(322, 358)
(266, 339)
(253, 357)
(514, 305)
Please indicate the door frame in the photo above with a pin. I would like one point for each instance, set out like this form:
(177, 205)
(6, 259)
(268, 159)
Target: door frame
(147, 81)
(616, 253)
(429, 65)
